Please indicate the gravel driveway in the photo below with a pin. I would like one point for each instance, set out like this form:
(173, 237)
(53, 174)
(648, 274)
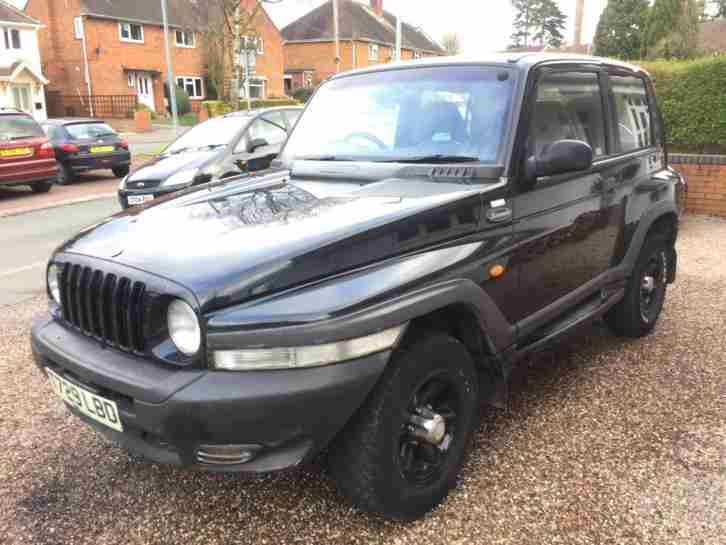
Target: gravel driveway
(606, 441)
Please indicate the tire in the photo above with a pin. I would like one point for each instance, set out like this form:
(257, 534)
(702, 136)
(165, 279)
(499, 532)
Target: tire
(41, 187)
(120, 172)
(65, 174)
(637, 313)
(377, 463)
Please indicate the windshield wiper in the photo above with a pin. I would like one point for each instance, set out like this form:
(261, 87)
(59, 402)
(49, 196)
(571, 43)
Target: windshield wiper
(439, 158)
(330, 158)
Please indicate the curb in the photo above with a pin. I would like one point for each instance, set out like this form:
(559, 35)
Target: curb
(28, 209)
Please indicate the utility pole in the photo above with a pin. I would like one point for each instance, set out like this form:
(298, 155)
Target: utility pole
(579, 16)
(336, 31)
(398, 38)
(170, 70)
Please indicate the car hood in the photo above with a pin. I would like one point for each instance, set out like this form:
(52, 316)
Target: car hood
(234, 241)
(163, 166)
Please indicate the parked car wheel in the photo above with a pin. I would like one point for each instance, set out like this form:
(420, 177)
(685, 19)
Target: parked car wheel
(41, 187)
(65, 174)
(120, 172)
(636, 315)
(400, 455)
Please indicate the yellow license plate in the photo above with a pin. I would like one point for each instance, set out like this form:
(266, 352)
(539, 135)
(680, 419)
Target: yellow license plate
(102, 149)
(16, 152)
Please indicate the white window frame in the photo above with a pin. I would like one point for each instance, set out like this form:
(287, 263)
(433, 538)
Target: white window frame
(258, 41)
(191, 80)
(78, 28)
(256, 82)
(131, 79)
(416, 54)
(373, 52)
(130, 39)
(184, 35)
(8, 39)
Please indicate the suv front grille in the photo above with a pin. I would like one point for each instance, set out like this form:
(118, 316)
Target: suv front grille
(107, 307)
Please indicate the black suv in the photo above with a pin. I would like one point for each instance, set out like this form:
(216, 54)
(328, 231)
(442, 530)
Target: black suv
(426, 226)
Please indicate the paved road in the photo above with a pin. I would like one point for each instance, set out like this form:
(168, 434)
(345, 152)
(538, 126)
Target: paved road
(27, 240)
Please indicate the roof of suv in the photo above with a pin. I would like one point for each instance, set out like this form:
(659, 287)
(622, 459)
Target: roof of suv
(522, 61)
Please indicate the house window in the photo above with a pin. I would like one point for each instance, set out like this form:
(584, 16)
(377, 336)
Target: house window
(192, 85)
(257, 89)
(12, 38)
(131, 79)
(21, 97)
(184, 38)
(78, 28)
(250, 43)
(373, 52)
(416, 54)
(131, 32)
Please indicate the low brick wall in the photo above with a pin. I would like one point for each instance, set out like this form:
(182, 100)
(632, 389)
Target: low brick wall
(706, 179)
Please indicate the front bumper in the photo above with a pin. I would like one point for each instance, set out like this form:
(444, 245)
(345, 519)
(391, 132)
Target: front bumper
(123, 194)
(169, 413)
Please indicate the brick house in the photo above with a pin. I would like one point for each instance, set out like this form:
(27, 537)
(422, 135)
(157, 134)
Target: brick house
(367, 36)
(99, 47)
(712, 37)
(21, 76)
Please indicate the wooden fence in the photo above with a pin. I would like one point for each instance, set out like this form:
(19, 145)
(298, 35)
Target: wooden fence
(102, 106)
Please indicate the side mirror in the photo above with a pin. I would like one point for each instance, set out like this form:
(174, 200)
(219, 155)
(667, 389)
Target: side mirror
(255, 144)
(561, 157)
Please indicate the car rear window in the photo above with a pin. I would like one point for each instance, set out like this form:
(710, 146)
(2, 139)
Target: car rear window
(16, 127)
(89, 130)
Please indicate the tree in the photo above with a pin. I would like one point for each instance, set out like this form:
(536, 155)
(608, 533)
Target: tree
(451, 43)
(231, 29)
(671, 30)
(542, 21)
(620, 29)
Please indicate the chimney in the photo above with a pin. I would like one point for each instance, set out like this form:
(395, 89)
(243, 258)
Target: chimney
(579, 15)
(377, 7)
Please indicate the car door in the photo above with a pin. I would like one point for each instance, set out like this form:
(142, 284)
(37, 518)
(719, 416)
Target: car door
(261, 143)
(561, 227)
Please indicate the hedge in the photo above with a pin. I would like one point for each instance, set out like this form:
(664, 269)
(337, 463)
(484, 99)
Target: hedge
(218, 107)
(692, 97)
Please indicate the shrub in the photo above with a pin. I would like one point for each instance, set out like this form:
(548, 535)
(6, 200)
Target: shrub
(303, 94)
(183, 104)
(269, 103)
(216, 107)
(691, 97)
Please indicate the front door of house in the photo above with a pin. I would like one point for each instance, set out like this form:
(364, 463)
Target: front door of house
(145, 89)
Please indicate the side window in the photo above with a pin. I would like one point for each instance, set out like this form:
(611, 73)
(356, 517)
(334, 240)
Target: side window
(292, 116)
(54, 133)
(569, 107)
(632, 109)
(270, 127)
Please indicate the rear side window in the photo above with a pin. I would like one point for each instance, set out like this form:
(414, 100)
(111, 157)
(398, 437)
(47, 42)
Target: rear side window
(16, 127)
(569, 107)
(54, 133)
(89, 130)
(292, 116)
(632, 109)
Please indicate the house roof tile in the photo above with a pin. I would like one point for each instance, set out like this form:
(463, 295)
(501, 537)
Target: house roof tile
(356, 21)
(181, 13)
(10, 14)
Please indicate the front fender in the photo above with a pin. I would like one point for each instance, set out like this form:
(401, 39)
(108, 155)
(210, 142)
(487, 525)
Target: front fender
(363, 303)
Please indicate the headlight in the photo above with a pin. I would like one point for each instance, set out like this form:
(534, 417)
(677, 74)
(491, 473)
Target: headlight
(306, 356)
(180, 178)
(54, 283)
(184, 327)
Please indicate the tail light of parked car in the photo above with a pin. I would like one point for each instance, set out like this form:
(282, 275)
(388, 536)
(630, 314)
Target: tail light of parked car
(46, 151)
(70, 148)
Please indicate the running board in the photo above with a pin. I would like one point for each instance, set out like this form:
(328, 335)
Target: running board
(591, 309)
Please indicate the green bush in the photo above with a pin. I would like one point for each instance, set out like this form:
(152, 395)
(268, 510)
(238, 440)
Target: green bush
(216, 107)
(270, 103)
(303, 94)
(692, 99)
(183, 105)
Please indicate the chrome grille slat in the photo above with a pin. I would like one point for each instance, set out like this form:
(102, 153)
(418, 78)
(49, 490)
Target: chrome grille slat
(104, 306)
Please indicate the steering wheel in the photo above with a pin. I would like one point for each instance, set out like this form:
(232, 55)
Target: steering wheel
(366, 136)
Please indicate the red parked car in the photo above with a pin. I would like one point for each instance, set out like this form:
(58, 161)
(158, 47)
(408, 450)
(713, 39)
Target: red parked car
(26, 156)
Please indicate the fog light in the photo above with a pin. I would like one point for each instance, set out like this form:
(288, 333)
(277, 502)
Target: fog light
(226, 455)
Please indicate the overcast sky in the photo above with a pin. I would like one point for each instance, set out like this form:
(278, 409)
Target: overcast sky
(482, 25)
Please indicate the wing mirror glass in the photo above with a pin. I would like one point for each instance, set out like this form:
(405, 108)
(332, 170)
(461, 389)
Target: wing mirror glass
(559, 158)
(255, 144)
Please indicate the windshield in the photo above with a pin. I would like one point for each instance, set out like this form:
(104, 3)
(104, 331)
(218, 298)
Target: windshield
(15, 127)
(89, 130)
(216, 132)
(447, 113)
